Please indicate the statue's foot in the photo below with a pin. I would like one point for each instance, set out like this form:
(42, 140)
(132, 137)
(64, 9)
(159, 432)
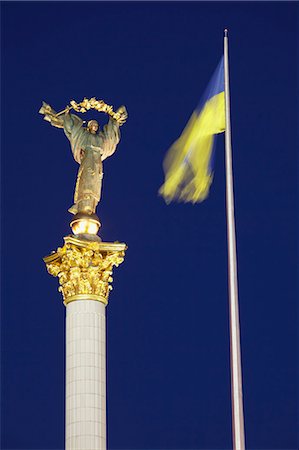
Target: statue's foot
(73, 209)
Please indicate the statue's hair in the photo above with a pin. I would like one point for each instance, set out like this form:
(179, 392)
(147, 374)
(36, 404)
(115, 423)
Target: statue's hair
(90, 122)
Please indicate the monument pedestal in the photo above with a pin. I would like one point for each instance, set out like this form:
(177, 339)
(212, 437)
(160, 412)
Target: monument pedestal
(84, 268)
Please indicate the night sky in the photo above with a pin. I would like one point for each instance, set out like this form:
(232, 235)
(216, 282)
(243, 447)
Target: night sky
(167, 319)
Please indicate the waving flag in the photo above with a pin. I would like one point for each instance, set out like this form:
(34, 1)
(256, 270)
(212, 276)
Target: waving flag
(188, 165)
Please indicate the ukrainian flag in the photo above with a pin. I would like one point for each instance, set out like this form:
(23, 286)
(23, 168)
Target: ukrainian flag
(188, 165)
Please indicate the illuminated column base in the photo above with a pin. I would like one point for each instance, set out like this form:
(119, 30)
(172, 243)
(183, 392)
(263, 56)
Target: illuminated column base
(85, 376)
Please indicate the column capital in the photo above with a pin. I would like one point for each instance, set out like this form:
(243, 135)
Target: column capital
(84, 268)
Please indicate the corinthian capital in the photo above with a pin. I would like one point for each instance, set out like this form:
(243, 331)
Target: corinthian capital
(84, 268)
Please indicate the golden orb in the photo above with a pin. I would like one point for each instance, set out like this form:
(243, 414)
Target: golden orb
(85, 224)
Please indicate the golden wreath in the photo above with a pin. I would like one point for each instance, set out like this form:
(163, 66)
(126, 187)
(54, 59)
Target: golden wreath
(101, 106)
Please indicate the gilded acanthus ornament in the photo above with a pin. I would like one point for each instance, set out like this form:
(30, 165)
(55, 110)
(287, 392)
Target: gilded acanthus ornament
(84, 268)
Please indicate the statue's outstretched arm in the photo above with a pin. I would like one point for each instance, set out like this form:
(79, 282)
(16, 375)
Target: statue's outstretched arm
(111, 133)
(111, 137)
(70, 121)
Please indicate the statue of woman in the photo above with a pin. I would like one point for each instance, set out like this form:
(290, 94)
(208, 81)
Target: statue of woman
(90, 147)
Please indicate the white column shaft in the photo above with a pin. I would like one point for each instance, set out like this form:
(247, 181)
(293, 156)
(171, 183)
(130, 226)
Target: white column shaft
(85, 376)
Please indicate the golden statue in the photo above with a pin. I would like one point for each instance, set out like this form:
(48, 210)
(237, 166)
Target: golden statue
(90, 146)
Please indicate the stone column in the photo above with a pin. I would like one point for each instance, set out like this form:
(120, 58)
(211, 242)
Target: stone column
(85, 417)
(84, 269)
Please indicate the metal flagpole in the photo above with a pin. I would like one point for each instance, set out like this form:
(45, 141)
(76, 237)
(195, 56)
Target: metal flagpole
(235, 351)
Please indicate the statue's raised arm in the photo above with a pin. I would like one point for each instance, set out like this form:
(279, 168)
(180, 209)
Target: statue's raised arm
(69, 122)
(111, 133)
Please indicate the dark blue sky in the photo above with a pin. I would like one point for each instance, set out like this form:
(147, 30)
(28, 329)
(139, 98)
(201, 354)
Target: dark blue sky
(168, 346)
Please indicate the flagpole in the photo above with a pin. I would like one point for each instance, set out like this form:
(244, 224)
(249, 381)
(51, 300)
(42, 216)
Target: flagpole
(235, 350)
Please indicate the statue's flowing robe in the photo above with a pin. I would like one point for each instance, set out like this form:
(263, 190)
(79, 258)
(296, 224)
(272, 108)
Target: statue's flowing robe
(89, 151)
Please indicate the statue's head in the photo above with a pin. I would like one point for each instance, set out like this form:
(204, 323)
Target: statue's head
(92, 126)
